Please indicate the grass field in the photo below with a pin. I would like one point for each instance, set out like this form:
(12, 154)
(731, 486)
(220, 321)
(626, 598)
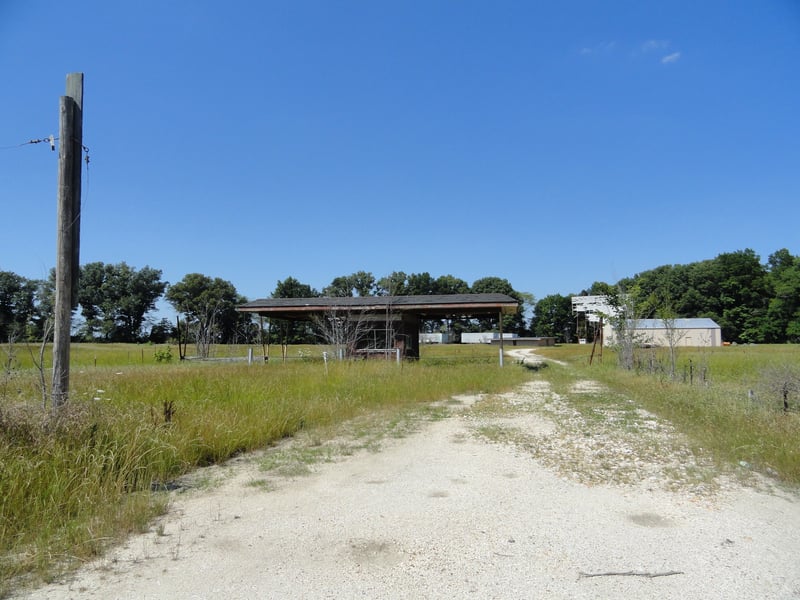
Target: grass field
(728, 400)
(82, 355)
(75, 483)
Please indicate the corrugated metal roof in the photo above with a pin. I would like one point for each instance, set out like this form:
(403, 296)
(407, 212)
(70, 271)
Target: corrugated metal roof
(440, 304)
(700, 323)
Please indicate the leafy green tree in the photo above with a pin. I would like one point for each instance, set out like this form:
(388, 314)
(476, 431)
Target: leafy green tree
(292, 332)
(780, 260)
(399, 283)
(361, 284)
(599, 288)
(656, 288)
(364, 283)
(340, 287)
(447, 284)
(552, 317)
(395, 284)
(236, 327)
(744, 295)
(495, 285)
(44, 299)
(209, 306)
(492, 285)
(421, 284)
(734, 289)
(91, 295)
(114, 299)
(292, 288)
(783, 312)
(163, 331)
(17, 305)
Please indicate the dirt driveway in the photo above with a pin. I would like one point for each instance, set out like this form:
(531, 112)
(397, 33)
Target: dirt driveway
(488, 498)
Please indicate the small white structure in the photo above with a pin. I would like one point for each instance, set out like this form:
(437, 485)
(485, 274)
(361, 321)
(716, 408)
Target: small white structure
(485, 337)
(686, 332)
(435, 338)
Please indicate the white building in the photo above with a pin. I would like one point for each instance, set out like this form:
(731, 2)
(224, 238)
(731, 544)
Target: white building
(485, 337)
(435, 338)
(687, 332)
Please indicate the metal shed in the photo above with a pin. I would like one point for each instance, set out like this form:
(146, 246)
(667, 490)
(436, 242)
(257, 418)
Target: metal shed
(688, 332)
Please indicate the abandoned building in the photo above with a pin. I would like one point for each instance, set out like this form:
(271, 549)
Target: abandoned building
(375, 324)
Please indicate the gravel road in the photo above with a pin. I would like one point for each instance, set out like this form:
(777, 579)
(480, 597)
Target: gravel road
(478, 504)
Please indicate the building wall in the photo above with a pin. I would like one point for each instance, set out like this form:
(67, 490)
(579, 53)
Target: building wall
(687, 337)
(695, 337)
(435, 338)
(484, 337)
(526, 341)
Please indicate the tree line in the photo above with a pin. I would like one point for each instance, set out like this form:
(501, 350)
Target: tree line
(399, 283)
(114, 301)
(753, 302)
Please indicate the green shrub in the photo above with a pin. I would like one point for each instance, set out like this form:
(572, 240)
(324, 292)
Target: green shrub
(163, 355)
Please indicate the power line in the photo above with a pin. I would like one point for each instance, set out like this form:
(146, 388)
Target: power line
(51, 139)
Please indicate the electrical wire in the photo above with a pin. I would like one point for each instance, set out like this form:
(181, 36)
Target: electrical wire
(51, 139)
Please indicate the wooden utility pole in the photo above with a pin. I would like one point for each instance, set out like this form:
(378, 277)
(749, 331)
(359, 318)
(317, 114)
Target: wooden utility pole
(70, 150)
(594, 344)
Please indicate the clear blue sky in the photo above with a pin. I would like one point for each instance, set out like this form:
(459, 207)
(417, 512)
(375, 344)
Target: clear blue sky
(550, 143)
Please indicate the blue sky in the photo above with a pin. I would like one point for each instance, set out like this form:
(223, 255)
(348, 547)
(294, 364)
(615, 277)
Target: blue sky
(553, 144)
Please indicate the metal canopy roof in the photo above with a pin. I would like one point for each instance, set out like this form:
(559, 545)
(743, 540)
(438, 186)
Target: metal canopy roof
(431, 306)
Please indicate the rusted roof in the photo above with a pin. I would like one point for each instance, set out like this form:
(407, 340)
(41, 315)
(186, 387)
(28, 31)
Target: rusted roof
(424, 306)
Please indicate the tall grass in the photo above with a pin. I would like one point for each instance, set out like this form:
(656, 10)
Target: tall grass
(725, 406)
(73, 482)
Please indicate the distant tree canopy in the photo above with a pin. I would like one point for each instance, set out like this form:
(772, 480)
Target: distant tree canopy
(552, 317)
(17, 305)
(114, 300)
(294, 332)
(752, 302)
(783, 310)
(398, 283)
(357, 284)
(495, 285)
(209, 308)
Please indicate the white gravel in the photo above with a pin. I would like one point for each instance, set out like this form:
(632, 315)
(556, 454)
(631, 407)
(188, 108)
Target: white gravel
(447, 513)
